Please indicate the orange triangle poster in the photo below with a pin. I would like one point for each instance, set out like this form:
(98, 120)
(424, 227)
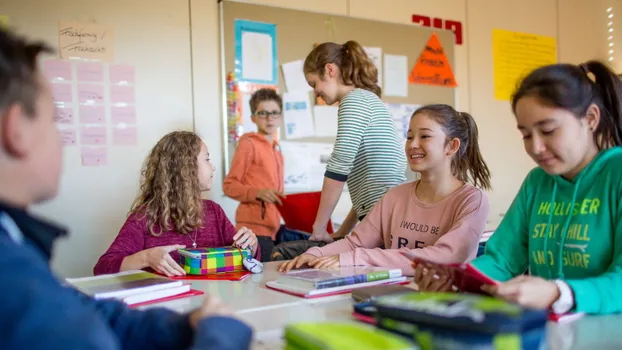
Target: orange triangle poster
(432, 66)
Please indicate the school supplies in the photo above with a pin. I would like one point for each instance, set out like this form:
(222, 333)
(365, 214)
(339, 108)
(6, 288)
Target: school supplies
(311, 283)
(298, 211)
(341, 335)
(131, 287)
(203, 261)
(461, 321)
(224, 276)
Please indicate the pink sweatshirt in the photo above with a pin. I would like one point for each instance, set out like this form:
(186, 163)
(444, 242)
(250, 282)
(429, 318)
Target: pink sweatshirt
(445, 232)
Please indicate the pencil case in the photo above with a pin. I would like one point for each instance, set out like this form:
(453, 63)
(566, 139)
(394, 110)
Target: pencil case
(203, 261)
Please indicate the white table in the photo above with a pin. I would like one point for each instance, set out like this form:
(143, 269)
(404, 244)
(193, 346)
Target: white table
(268, 312)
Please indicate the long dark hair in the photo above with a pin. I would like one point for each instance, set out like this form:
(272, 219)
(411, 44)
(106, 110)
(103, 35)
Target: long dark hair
(570, 87)
(468, 164)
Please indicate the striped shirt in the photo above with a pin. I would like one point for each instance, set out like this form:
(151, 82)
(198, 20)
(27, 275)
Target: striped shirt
(368, 152)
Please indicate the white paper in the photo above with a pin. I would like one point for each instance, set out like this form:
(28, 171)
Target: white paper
(247, 123)
(257, 56)
(297, 115)
(401, 113)
(325, 120)
(305, 165)
(375, 54)
(395, 75)
(295, 76)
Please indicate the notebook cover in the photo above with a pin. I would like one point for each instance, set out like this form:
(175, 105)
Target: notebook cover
(191, 293)
(226, 276)
(299, 210)
(306, 296)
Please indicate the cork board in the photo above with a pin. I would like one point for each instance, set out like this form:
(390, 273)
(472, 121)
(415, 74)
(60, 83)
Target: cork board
(298, 31)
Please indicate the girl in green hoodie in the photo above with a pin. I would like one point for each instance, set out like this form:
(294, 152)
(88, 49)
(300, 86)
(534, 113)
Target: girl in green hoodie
(565, 225)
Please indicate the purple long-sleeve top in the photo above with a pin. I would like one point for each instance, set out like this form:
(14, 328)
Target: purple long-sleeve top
(217, 231)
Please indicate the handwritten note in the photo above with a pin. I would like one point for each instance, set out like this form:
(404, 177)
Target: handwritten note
(92, 93)
(124, 114)
(432, 67)
(55, 69)
(122, 94)
(64, 115)
(122, 74)
(85, 40)
(94, 156)
(93, 135)
(92, 114)
(68, 136)
(90, 71)
(125, 136)
(61, 93)
(516, 55)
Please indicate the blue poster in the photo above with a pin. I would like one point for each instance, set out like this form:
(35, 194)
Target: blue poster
(255, 52)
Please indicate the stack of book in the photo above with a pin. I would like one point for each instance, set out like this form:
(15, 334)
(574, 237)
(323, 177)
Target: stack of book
(133, 287)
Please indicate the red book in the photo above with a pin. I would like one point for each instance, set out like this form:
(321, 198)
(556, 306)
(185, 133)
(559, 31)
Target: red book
(299, 211)
(191, 293)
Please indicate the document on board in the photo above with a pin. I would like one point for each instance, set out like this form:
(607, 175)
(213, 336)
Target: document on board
(305, 165)
(325, 120)
(85, 40)
(401, 113)
(247, 122)
(295, 77)
(395, 75)
(257, 60)
(297, 116)
(375, 55)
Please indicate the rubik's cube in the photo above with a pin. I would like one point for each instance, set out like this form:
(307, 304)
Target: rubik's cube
(203, 261)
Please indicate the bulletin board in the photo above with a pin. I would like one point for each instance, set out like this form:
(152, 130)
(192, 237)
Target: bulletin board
(298, 31)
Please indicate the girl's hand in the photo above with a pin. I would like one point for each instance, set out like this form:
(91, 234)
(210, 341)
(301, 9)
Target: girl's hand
(527, 291)
(296, 262)
(159, 259)
(431, 279)
(325, 262)
(245, 238)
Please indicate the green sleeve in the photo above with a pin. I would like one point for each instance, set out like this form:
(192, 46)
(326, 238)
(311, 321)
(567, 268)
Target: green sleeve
(601, 294)
(507, 253)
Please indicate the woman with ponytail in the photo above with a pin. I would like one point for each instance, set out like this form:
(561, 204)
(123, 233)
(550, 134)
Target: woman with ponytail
(565, 225)
(368, 150)
(440, 217)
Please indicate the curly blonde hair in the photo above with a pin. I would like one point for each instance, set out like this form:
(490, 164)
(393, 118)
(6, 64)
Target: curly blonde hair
(170, 195)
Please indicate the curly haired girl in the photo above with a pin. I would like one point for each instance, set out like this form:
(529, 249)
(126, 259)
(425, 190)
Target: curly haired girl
(169, 212)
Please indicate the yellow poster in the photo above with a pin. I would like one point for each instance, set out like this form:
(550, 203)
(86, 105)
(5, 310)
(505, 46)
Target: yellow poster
(517, 54)
(4, 21)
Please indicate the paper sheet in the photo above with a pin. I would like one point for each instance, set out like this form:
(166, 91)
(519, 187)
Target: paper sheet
(401, 113)
(57, 70)
(122, 94)
(257, 60)
(85, 40)
(93, 135)
(62, 93)
(375, 54)
(395, 75)
(305, 165)
(432, 66)
(92, 114)
(122, 74)
(294, 76)
(123, 114)
(125, 136)
(90, 71)
(297, 115)
(64, 115)
(247, 123)
(517, 54)
(94, 156)
(325, 120)
(90, 93)
(68, 136)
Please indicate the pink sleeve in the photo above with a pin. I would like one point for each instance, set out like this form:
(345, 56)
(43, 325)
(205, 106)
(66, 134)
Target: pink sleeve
(130, 240)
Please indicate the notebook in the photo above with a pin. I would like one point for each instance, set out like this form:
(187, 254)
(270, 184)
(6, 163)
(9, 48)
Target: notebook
(122, 284)
(299, 209)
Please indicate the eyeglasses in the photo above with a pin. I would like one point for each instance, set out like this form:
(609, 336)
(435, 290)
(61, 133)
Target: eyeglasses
(271, 115)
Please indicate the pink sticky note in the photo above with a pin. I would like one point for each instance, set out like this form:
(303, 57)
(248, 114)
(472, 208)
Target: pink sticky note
(125, 114)
(94, 156)
(121, 94)
(90, 93)
(90, 71)
(57, 69)
(92, 114)
(68, 136)
(62, 93)
(94, 135)
(125, 136)
(121, 73)
(64, 115)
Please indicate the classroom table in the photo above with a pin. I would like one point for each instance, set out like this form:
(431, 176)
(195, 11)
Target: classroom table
(268, 311)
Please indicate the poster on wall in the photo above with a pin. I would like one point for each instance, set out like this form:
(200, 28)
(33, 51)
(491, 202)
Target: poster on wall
(255, 52)
(516, 54)
(432, 67)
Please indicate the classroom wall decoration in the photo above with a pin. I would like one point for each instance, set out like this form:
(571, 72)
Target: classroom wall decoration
(516, 54)
(85, 40)
(439, 23)
(255, 52)
(433, 67)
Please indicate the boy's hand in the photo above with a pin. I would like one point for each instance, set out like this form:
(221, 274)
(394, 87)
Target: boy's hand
(270, 195)
(212, 306)
(527, 291)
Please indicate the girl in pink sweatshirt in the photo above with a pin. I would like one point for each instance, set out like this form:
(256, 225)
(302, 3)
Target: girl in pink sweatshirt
(169, 213)
(440, 217)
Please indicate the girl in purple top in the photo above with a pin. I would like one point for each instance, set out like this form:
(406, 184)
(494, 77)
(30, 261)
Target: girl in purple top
(169, 212)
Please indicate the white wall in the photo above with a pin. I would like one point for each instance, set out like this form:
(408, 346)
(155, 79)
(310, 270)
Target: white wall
(175, 47)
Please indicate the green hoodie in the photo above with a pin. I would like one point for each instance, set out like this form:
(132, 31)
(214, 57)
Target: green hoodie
(584, 247)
